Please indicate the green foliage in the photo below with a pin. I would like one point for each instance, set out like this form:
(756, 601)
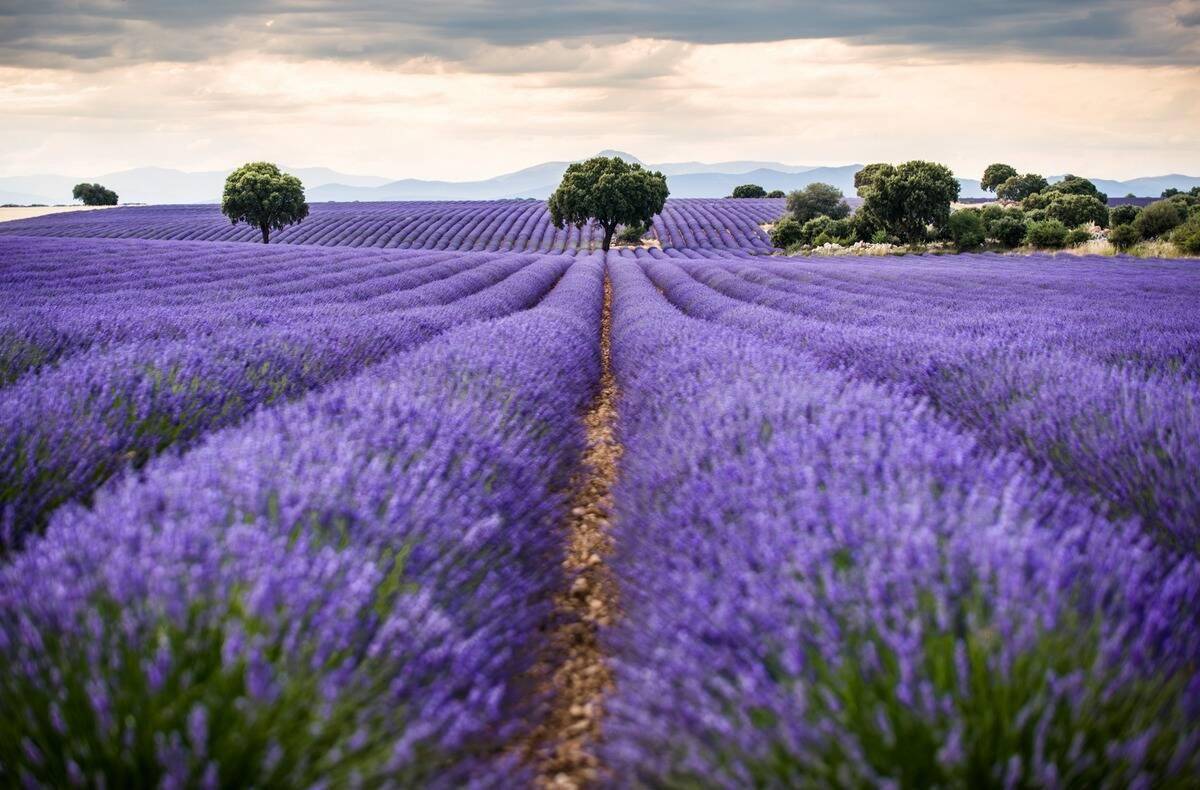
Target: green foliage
(1157, 219)
(775, 193)
(1124, 236)
(1018, 188)
(632, 234)
(1046, 234)
(1075, 185)
(1170, 192)
(1073, 210)
(995, 175)
(94, 195)
(827, 230)
(1037, 215)
(1123, 215)
(609, 192)
(1077, 236)
(1187, 236)
(1037, 200)
(1007, 231)
(260, 194)
(907, 198)
(817, 200)
(749, 191)
(786, 233)
(966, 229)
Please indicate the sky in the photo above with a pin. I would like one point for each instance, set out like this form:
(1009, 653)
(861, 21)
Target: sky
(465, 90)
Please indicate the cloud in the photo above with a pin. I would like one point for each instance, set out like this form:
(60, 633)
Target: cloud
(96, 34)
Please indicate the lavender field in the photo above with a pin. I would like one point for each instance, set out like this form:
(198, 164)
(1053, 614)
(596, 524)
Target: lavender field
(436, 495)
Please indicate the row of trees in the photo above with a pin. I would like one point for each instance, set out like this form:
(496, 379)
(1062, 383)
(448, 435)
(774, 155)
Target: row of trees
(755, 191)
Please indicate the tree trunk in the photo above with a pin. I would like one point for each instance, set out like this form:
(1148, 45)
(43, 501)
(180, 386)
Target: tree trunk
(608, 234)
(266, 232)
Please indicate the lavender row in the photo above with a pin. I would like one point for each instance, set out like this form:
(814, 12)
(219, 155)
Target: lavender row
(346, 590)
(1130, 439)
(825, 583)
(1141, 314)
(68, 429)
(496, 225)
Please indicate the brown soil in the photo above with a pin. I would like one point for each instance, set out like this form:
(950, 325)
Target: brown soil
(562, 749)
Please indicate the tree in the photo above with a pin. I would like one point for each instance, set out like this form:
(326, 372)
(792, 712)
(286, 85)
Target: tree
(1123, 237)
(1074, 185)
(94, 195)
(995, 175)
(1161, 216)
(1074, 209)
(1020, 187)
(966, 229)
(260, 194)
(775, 193)
(817, 200)
(609, 192)
(1170, 192)
(908, 198)
(749, 191)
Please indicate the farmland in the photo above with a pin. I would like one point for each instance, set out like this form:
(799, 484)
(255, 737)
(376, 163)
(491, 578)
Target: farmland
(343, 508)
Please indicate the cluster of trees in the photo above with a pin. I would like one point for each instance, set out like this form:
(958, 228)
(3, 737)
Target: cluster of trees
(1066, 213)
(94, 195)
(907, 203)
(611, 193)
(1176, 217)
(755, 191)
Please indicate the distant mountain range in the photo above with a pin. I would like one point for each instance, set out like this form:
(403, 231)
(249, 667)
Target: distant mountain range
(685, 179)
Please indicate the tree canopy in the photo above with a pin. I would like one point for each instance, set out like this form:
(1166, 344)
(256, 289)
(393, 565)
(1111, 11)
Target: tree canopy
(905, 199)
(995, 175)
(260, 194)
(817, 200)
(1076, 185)
(610, 192)
(1020, 187)
(749, 191)
(94, 195)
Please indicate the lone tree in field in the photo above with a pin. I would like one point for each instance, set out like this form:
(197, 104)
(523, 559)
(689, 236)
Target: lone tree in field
(260, 194)
(94, 195)
(749, 191)
(906, 199)
(995, 175)
(609, 192)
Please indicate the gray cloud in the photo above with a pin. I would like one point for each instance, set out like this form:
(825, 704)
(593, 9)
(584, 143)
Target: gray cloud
(101, 33)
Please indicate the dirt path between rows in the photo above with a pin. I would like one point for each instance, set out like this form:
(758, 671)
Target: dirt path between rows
(562, 749)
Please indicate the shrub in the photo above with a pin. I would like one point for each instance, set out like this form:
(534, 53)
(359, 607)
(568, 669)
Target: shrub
(749, 191)
(1187, 236)
(786, 233)
(966, 229)
(1160, 217)
(817, 200)
(1021, 187)
(632, 234)
(1123, 237)
(1007, 231)
(775, 193)
(824, 229)
(1037, 215)
(1074, 209)
(1077, 236)
(1036, 200)
(1123, 215)
(995, 175)
(1049, 234)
